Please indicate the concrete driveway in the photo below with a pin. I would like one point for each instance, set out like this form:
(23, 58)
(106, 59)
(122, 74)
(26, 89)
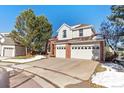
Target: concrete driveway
(52, 73)
(80, 69)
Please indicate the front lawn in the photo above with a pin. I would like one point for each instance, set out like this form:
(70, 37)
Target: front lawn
(23, 57)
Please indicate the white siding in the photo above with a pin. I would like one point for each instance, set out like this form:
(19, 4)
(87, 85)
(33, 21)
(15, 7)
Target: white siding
(85, 53)
(8, 46)
(60, 51)
(75, 34)
(72, 33)
(86, 32)
(68, 30)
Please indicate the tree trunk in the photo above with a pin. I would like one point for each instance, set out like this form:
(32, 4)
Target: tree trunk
(26, 51)
(46, 47)
(29, 52)
(111, 47)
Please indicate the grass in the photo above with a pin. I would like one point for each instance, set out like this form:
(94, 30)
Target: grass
(99, 68)
(23, 57)
(92, 85)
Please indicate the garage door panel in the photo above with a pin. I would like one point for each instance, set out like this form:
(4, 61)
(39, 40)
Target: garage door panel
(60, 51)
(8, 52)
(85, 51)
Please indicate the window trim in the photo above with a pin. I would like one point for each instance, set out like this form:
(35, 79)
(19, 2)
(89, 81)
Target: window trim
(64, 33)
(80, 32)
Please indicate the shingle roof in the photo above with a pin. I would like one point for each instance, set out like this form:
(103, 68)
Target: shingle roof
(77, 41)
(83, 25)
(8, 41)
(80, 26)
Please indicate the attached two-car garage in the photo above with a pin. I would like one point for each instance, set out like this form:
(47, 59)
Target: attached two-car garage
(85, 51)
(91, 51)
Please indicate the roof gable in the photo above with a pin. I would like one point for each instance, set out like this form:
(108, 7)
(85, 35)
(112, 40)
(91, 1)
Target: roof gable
(64, 25)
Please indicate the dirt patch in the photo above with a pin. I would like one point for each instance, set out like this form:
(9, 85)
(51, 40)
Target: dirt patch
(99, 68)
(84, 84)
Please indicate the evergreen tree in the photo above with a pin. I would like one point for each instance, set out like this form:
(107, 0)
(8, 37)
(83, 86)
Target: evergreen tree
(32, 31)
(113, 28)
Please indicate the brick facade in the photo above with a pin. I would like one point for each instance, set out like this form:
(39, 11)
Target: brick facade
(102, 55)
(68, 51)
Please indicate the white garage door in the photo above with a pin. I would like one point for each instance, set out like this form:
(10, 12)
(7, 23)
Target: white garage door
(8, 52)
(60, 51)
(85, 51)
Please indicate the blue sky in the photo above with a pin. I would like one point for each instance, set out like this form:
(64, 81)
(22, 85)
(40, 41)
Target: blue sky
(57, 15)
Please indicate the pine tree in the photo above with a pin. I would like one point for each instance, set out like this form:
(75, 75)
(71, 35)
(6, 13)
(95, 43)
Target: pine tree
(32, 31)
(113, 28)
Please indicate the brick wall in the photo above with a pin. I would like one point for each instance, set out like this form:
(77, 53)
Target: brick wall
(102, 55)
(68, 51)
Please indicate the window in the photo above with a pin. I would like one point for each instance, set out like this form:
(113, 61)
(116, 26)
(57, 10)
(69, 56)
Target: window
(97, 47)
(75, 47)
(85, 47)
(81, 32)
(72, 47)
(93, 47)
(89, 47)
(82, 47)
(78, 47)
(64, 34)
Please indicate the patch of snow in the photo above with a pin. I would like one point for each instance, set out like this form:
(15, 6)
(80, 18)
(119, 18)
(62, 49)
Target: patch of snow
(37, 57)
(117, 67)
(111, 77)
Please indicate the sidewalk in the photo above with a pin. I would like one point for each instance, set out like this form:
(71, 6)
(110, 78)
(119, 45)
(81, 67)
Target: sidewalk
(37, 57)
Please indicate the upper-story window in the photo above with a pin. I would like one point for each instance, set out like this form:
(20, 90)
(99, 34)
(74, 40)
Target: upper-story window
(81, 32)
(64, 34)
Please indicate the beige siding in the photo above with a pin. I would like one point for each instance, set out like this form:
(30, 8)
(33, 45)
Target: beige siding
(86, 32)
(60, 33)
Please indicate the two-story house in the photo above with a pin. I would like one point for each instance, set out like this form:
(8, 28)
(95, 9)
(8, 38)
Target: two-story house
(78, 42)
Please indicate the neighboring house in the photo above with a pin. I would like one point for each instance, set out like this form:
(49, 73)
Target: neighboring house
(78, 41)
(9, 48)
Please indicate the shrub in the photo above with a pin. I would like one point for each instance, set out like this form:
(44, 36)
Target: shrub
(121, 53)
(108, 55)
